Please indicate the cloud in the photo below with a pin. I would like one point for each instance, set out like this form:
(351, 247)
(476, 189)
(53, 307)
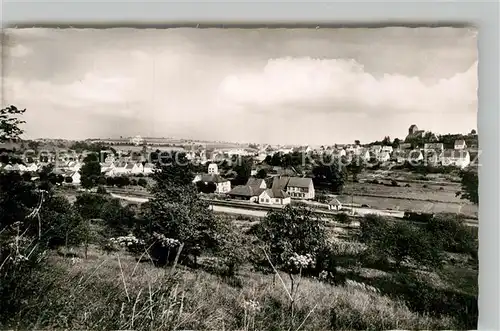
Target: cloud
(316, 83)
(19, 51)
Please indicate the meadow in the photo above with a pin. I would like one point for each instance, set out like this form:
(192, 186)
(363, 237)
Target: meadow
(114, 291)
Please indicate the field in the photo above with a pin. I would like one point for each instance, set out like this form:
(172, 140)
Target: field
(438, 194)
(116, 292)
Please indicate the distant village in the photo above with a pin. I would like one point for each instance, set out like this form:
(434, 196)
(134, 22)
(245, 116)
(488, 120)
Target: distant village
(137, 157)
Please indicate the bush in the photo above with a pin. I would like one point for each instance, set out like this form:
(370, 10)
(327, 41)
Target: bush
(453, 234)
(294, 238)
(398, 241)
(343, 218)
(142, 182)
(101, 190)
(394, 183)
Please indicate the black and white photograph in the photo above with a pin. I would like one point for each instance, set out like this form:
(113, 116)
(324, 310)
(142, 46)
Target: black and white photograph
(224, 178)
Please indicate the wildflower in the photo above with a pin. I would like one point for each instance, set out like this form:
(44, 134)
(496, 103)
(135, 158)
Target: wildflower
(251, 305)
(300, 261)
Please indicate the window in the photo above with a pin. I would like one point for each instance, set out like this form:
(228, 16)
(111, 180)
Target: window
(267, 200)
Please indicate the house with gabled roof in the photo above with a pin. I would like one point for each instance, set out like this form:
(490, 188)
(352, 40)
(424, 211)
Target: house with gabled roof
(383, 156)
(458, 158)
(412, 156)
(257, 183)
(438, 147)
(222, 185)
(246, 192)
(274, 197)
(296, 187)
(74, 175)
(147, 168)
(334, 204)
(376, 149)
(460, 144)
(387, 149)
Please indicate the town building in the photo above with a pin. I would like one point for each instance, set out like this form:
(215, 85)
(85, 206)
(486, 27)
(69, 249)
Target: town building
(460, 144)
(274, 197)
(334, 204)
(296, 187)
(458, 158)
(222, 185)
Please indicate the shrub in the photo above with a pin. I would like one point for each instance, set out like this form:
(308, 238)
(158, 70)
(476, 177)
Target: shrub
(291, 231)
(343, 218)
(453, 234)
(142, 182)
(399, 241)
(101, 190)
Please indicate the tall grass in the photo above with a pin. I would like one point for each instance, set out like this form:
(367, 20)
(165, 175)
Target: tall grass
(115, 292)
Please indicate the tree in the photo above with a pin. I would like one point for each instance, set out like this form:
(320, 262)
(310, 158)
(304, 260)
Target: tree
(357, 142)
(395, 143)
(469, 185)
(119, 220)
(291, 230)
(355, 167)
(386, 141)
(473, 132)
(291, 235)
(142, 182)
(454, 236)
(10, 123)
(399, 241)
(332, 172)
(262, 174)
(90, 171)
(176, 212)
(243, 170)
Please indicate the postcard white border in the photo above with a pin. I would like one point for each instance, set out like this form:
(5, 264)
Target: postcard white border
(484, 15)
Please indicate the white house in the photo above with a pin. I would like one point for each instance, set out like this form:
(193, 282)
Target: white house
(410, 156)
(383, 156)
(75, 177)
(460, 144)
(213, 169)
(334, 204)
(138, 169)
(363, 153)
(376, 149)
(460, 159)
(222, 185)
(245, 192)
(339, 152)
(438, 147)
(274, 197)
(387, 149)
(147, 169)
(32, 167)
(296, 187)
(118, 169)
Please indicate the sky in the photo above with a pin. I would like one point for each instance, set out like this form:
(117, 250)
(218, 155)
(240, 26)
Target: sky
(278, 86)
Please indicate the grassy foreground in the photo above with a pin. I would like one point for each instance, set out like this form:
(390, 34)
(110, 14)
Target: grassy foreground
(113, 291)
